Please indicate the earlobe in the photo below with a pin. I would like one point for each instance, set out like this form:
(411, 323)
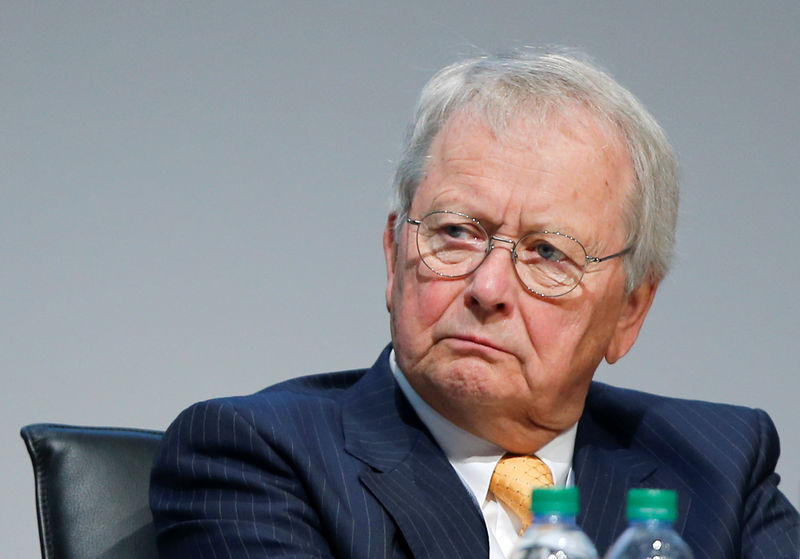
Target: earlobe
(390, 254)
(630, 321)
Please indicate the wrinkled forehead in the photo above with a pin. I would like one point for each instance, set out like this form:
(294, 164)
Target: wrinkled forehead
(529, 125)
(537, 114)
(524, 127)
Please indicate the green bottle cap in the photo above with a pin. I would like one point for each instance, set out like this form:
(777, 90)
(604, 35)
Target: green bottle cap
(555, 500)
(652, 504)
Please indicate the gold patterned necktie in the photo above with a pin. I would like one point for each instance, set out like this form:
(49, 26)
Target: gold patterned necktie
(514, 479)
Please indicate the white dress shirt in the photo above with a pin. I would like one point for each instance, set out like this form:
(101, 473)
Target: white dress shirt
(474, 459)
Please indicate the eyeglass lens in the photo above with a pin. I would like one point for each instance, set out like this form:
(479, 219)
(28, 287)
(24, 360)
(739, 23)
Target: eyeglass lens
(454, 245)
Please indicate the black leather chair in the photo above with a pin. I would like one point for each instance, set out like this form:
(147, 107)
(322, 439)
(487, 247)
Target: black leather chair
(92, 490)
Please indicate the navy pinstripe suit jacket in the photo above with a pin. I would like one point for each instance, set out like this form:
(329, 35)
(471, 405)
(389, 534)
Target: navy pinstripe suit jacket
(339, 465)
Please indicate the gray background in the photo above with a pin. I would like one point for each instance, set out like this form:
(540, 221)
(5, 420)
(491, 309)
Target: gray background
(193, 195)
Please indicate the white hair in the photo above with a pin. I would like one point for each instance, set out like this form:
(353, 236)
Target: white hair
(543, 84)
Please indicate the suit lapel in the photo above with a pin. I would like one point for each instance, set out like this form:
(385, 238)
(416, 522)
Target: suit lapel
(410, 476)
(608, 462)
(604, 476)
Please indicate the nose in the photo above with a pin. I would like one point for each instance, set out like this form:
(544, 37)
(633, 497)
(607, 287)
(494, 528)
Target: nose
(491, 286)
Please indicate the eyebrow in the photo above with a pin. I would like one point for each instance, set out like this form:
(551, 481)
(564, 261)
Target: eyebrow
(490, 224)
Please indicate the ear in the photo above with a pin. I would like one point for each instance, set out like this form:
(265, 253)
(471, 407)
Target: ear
(390, 254)
(630, 320)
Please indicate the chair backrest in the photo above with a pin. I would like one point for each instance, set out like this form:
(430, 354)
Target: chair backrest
(92, 488)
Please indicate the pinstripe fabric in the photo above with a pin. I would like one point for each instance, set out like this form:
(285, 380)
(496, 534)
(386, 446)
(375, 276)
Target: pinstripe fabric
(719, 458)
(338, 465)
(326, 466)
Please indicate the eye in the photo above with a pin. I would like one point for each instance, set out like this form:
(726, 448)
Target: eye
(458, 231)
(549, 252)
(549, 249)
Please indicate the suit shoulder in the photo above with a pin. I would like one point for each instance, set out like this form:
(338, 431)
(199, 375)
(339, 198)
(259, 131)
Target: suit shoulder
(648, 418)
(319, 393)
(604, 398)
(324, 385)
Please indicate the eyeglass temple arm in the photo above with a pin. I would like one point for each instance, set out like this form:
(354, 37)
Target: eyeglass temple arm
(598, 259)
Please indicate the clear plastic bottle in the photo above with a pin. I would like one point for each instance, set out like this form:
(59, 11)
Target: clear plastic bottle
(649, 535)
(554, 533)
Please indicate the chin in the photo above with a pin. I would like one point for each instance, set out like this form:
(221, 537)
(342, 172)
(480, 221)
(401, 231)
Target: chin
(466, 378)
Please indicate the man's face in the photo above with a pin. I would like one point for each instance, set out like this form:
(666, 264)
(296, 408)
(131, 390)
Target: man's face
(500, 362)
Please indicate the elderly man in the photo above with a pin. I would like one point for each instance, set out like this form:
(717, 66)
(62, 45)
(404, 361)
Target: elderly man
(534, 218)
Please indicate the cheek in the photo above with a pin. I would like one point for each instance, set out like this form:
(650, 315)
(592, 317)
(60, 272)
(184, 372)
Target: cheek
(420, 302)
(568, 342)
(550, 327)
(563, 364)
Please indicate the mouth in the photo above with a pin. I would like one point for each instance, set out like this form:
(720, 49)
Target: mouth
(474, 343)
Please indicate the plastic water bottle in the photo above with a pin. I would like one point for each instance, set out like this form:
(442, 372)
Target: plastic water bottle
(553, 533)
(649, 535)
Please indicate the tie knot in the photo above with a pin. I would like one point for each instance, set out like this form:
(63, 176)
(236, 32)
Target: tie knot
(514, 479)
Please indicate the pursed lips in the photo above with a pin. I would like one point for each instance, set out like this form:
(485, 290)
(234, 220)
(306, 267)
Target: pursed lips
(476, 340)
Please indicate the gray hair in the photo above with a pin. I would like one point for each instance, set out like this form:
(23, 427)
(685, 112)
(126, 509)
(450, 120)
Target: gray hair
(542, 84)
